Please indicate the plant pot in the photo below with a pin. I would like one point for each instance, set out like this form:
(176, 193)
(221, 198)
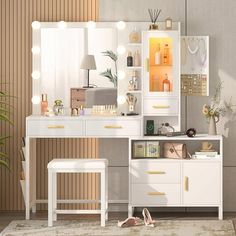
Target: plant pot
(212, 126)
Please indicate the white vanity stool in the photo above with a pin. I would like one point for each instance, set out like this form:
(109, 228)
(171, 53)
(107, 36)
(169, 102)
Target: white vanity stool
(77, 166)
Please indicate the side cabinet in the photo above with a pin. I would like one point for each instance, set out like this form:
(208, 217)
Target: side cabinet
(202, 183)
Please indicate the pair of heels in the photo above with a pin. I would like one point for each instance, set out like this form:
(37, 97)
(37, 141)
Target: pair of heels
(135, 221)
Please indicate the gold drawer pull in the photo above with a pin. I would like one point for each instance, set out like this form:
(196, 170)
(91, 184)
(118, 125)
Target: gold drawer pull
(147, 64)
(113, 126)
(161, 106)
(56, 127)
(156, 172)
(156, 193)
(186, 183)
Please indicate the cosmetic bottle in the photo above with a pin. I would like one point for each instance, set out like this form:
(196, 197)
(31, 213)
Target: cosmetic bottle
(166, 54)
(158, 55)
(81, 111)
(135, 80)
(129, 59)
(44, 104)
(166, 84)
(137, 60)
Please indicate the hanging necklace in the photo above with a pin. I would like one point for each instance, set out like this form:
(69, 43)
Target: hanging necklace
(193, 51)
(183, 51)
(202, 53)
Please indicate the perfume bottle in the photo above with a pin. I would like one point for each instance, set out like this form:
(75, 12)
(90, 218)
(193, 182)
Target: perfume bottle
(137, 58)
(134, 36)
(166, 84)
(58, 108)
(158, 55)
(44, 104)
(129, 59)
(135, 80)
(166, 54)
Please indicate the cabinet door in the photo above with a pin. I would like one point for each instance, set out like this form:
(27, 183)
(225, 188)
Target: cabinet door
(161, 60)
(201, 183)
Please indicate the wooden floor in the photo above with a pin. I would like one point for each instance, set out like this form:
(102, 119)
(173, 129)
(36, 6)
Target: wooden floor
(7, 217)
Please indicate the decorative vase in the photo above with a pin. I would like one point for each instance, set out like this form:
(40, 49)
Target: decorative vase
(212, 126)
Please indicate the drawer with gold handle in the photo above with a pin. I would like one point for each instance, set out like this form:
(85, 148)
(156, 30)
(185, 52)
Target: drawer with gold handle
(186, 184)
(113, 127)
(156, 172)
(161, 106)
(56, 126)
(156, 193)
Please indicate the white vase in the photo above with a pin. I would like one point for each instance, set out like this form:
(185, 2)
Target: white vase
(212, 126)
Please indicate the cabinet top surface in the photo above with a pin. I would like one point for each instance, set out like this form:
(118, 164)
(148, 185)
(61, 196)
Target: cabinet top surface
(78, 118)
(183, 137)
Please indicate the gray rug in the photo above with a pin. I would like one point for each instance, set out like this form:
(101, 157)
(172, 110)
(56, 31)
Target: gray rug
(162, 228)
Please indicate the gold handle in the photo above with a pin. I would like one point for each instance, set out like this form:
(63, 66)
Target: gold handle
(156, 172)
(186, 183)
(113, 126)
(147, 64)
(56, 127)
(161, 106)
(156, 193)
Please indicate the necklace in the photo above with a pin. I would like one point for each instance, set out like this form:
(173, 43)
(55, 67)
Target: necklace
(202, 53)
(193, 51)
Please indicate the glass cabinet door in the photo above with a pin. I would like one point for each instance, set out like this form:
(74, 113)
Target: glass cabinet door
(161, 63)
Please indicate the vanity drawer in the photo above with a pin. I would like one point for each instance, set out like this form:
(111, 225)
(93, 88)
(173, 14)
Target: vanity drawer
(55, 128)
(159, 106)
(108, 128)
(153, 172)
(155, 194)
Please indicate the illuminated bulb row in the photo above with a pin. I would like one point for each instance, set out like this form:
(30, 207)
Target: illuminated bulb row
(90, 24)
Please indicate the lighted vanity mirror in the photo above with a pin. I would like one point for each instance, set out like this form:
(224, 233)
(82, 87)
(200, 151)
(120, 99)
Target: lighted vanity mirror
(62, 50)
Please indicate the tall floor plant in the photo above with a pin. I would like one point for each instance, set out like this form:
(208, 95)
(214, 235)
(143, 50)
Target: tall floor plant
(4, 118)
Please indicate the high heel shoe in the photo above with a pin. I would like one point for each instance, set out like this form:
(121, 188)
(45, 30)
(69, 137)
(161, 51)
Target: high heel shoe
(148, 221)
(130, 221)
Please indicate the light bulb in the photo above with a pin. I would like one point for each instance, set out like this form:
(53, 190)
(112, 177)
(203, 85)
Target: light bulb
(121, 100)
(35, 100)
(35, 50)
(121, 75)
(35, 25)
(35, 74)
(121, 50)
(61, 24)
(91, 24)
(120, 25)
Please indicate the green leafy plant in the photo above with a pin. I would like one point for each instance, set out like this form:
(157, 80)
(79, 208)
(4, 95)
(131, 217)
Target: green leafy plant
(108, 73)
(4, 117)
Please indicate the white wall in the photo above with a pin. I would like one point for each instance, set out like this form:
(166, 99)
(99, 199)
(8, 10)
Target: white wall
(215, 18)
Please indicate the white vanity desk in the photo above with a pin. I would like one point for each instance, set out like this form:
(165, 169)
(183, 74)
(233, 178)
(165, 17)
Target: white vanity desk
(186, 183)
(70, 127)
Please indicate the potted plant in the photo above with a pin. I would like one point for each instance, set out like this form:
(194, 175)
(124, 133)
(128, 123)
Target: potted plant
(4, 117)
(216, 108)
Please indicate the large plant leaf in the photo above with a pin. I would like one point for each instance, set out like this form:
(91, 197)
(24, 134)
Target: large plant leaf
(4, 117)
(4, 163)
(110, 54)
(3, 155)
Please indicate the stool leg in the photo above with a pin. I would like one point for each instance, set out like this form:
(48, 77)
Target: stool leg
(103, 197)
(50, 198)
(106, 178)
(54, 196)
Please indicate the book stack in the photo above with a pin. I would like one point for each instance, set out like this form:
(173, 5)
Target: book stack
(205, 155)
(146, 149)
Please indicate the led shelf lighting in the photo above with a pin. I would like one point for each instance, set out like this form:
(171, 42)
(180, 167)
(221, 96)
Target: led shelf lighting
(91, 24)
(62, 24)
(35, 25)
(120, 25)
(35, 100)
(35, 50)
(35, 74)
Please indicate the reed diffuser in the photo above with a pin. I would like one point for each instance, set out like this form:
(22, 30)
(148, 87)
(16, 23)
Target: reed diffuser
(154, 14)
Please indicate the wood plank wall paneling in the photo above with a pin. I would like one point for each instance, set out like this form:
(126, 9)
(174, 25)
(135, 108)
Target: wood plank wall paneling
(15, 70)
